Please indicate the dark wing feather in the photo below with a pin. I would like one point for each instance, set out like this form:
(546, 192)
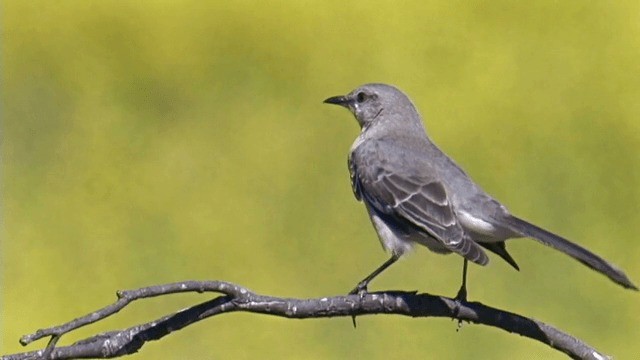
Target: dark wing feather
(354, 181)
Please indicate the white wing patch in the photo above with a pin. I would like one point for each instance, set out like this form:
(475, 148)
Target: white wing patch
(475, 224)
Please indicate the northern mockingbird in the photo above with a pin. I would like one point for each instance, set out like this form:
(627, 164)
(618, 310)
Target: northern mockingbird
(415, 194)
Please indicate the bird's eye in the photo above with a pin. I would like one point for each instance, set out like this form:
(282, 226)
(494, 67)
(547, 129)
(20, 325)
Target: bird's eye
(361, 97)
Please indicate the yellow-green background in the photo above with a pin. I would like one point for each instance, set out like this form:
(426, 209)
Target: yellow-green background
(145, 142)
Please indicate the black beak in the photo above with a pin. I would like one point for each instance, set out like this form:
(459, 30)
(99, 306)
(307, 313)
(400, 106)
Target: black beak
(338, 100)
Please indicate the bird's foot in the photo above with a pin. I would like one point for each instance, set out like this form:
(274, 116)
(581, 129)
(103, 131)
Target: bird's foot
(360, 289)
(460, 298)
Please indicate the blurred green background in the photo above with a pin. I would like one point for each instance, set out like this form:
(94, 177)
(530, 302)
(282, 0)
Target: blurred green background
(154, 141)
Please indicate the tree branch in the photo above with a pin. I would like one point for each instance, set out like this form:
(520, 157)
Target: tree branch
(237, 298)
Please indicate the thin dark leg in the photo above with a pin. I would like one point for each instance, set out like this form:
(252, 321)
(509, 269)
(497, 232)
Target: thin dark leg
(462, 293)
(362, 285)
(361, 288)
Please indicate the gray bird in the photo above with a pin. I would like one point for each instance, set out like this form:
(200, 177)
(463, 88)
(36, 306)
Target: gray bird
(415, 194)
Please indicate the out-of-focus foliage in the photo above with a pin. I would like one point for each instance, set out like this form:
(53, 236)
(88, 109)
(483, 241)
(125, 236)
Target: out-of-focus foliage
(145, 142)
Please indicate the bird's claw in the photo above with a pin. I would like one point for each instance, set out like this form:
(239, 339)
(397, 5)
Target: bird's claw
(461, 297)
(360, 289)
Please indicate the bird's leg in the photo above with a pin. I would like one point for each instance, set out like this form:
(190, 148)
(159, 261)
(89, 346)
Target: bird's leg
(361, 288)
(461, 297)
(462, 293)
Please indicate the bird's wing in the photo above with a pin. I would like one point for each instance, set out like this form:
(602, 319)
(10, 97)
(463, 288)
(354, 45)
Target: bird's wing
(420, 200)
(354, 181)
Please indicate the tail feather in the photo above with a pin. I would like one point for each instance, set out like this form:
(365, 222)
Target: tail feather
(500, 249)
(577, 252)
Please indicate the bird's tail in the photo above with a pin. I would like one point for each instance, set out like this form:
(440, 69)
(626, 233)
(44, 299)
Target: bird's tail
(575, 251)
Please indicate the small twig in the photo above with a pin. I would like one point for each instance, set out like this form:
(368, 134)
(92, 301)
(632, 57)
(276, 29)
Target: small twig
(238, 298)
(127, 296)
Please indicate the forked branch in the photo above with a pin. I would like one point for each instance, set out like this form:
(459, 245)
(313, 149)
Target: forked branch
(237, 298)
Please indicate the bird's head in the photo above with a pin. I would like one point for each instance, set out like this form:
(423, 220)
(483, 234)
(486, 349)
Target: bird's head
(369, 102)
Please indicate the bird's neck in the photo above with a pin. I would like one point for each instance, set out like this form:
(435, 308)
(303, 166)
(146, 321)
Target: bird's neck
(396, 125)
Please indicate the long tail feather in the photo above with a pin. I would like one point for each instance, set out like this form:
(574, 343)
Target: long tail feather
(577, 252)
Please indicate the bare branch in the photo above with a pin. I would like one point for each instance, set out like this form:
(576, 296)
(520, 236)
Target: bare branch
(237, 298)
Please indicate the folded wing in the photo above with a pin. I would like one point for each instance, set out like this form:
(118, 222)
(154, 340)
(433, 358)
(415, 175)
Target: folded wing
(420, 201)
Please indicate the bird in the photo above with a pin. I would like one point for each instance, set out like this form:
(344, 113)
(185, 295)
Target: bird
(417, 195)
